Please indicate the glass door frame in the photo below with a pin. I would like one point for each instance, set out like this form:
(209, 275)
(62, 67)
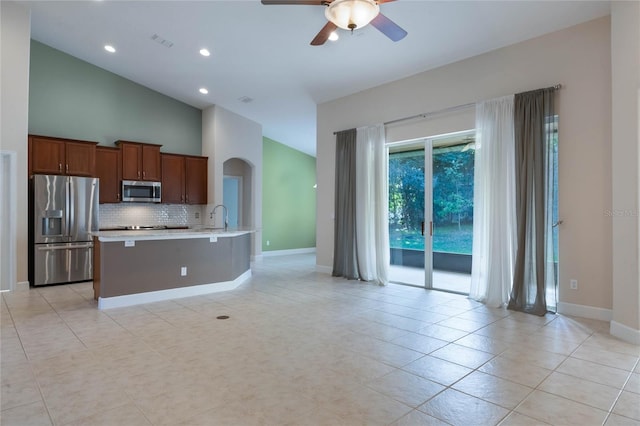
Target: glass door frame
(427, 145)
(424, 144)
(428, 213)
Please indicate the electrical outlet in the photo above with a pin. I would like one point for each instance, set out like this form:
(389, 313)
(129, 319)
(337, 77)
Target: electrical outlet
(197, 215)
(573, 284)
(183, 271)
(268, 242)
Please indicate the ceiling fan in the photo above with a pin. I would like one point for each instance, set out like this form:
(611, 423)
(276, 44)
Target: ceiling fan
(349, 15)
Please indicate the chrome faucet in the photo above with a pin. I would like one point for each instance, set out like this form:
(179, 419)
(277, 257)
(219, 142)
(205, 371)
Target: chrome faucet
(226, 215)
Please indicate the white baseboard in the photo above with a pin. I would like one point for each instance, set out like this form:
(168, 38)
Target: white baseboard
(584, 311)
(625, 332)
(324, 269)
(20, 286)
(288, 252)
(174, 293)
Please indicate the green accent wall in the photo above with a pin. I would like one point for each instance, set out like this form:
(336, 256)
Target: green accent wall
(74, 99)
(289, 198)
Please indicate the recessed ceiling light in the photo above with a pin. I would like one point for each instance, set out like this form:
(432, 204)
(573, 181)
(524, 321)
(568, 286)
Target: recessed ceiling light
(333, 36)
(203, 90)
(205, 52)
(109, 48)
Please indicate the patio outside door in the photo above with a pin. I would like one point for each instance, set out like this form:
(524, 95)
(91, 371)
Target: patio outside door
(410, 213)
(431, 211)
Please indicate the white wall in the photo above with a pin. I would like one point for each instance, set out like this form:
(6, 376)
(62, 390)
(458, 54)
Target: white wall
(579, 59)
(625, 58)
(227, 135)
(15, 33)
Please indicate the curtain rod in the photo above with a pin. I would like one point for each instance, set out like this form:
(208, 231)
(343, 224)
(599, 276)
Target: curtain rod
(442, 111)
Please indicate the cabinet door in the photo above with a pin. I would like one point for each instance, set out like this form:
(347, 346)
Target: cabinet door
(108, 170)
(172, 179)
(46, 156)
(131, 161)
(151, 168)
(196, 180)
(80, 159)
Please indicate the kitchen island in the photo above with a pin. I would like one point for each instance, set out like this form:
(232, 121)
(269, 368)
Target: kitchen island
(133, 267)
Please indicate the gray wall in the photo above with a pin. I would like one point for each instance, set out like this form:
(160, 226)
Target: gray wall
(73, 99)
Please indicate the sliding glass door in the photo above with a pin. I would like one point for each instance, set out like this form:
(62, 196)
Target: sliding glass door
(452, 182)
(410, 221)
(431, 212)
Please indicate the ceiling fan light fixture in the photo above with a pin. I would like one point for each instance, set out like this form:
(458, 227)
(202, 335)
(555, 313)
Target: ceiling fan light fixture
(352, 14)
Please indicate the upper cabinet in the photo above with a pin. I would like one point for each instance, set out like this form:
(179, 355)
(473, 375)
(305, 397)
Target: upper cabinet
(108, 165)
(140, 161)
(58, 156)
(184, 179)
(196, 180)
(173, 179)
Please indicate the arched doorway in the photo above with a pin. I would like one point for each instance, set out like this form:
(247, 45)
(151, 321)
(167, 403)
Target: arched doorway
(237, 192)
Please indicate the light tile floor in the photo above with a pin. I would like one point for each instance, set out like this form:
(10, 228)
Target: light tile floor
(303, 348)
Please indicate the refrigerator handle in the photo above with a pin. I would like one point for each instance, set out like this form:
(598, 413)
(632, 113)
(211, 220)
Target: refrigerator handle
(71, 198)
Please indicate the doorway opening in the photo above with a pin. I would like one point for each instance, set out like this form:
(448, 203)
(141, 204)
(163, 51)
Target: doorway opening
(232, 196)
(237, 192)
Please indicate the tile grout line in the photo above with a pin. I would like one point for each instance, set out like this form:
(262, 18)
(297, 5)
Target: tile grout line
(621, 391)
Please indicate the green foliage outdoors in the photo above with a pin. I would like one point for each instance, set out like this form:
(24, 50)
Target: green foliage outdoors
(453, 169)
(446, 239)
(452, 199)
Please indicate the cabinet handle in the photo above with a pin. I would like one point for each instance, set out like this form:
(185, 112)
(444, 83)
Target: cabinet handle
(118, 197)
(67, 168)
(144, 175)
(138, 174)
(59, 167)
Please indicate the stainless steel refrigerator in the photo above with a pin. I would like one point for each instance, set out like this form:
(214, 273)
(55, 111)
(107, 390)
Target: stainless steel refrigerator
(64, 212)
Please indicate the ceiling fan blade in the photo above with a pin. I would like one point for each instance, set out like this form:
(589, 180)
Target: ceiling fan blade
(303, 2)
(389, 28)
(324, 34)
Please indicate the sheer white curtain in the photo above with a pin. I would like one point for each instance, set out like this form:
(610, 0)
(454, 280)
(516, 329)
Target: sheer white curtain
(372, 205)
(494, 211)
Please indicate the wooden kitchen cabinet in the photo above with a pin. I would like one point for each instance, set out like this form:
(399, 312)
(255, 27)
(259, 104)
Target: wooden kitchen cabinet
(173, 181)
(57, 156)
(140, 161)
(196, 180)
(184, 179)
(108, 165)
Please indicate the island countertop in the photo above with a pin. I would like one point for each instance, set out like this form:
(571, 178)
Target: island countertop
(169, 234)
(144, 266)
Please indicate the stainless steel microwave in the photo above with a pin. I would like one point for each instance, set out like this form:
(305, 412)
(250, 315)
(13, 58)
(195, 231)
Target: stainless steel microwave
(138, 191)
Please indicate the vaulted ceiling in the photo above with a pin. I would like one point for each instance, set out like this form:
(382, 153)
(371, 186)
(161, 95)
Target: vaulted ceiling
(261, 64)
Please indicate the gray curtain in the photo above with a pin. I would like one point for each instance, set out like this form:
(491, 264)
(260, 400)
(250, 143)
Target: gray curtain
(532, 110)
(344, 240)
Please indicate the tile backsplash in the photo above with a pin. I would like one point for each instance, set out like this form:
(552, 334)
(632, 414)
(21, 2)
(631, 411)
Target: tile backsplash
(125, 214)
